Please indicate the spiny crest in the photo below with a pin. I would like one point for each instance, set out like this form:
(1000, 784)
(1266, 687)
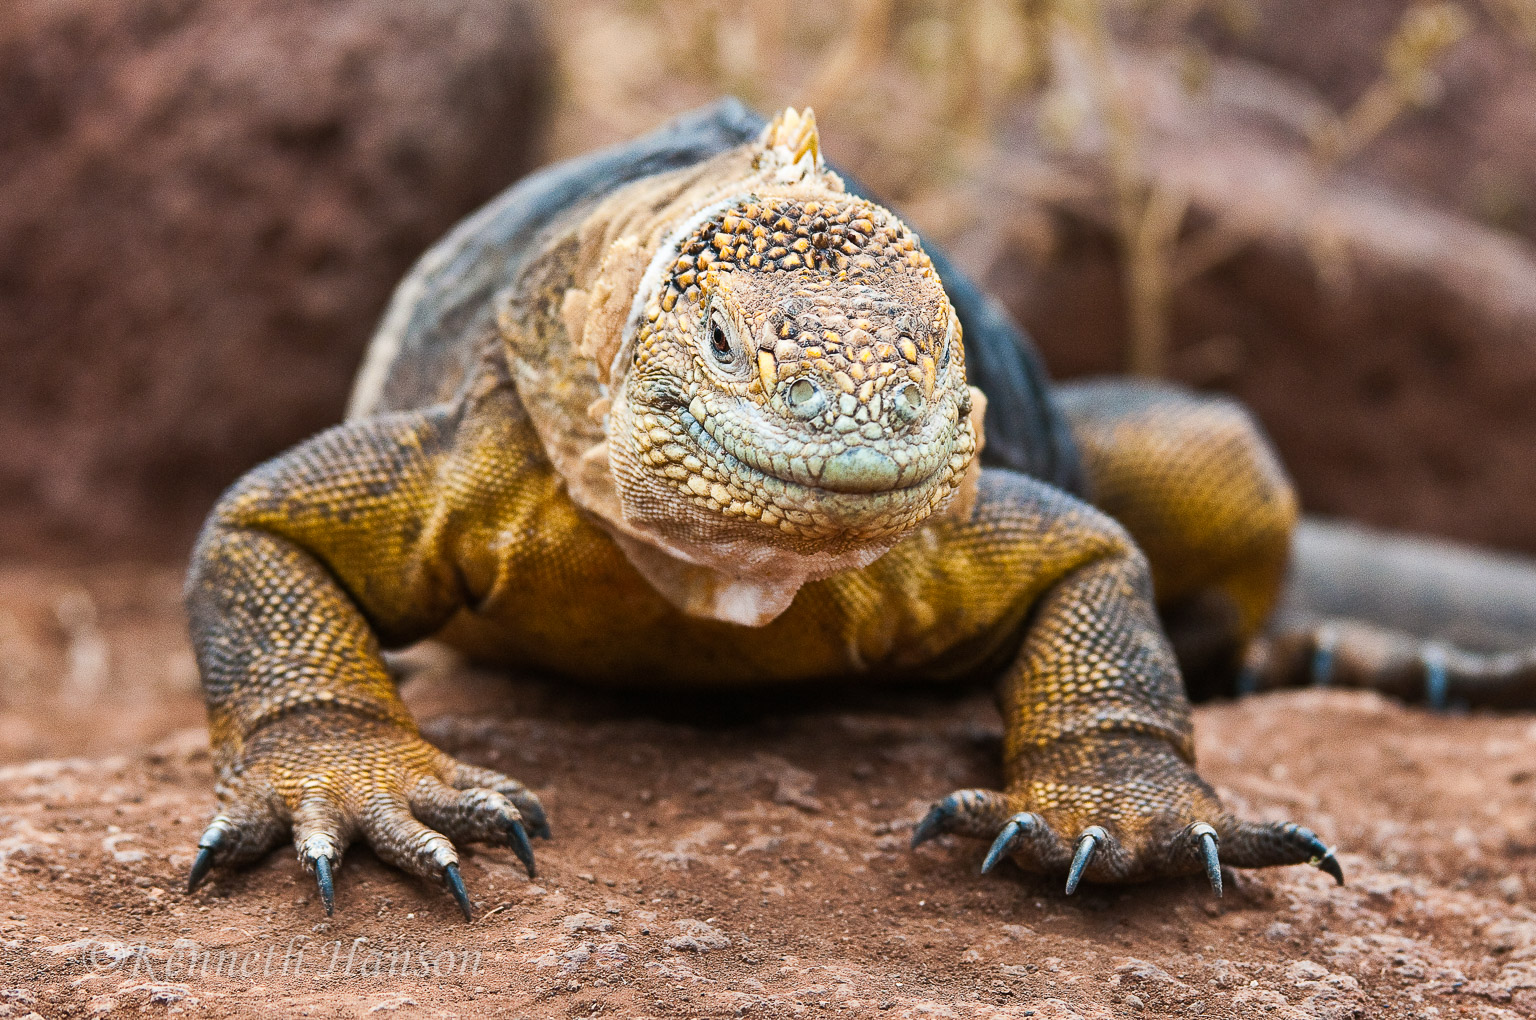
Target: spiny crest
(792, 146)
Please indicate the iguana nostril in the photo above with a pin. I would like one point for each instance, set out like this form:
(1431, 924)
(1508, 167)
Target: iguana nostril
(804, 398)
(860, 469)
(907, 402)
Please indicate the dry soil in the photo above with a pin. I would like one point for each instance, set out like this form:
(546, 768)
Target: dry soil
(718, 858)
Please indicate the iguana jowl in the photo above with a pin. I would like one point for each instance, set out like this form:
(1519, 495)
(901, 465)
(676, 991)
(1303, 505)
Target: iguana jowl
(692, 413)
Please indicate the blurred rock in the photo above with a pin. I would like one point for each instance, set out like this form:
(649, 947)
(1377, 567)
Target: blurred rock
(1386, 338)
(1469, 148)
(203, 207)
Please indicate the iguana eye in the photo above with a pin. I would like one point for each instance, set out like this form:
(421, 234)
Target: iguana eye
(721, 342)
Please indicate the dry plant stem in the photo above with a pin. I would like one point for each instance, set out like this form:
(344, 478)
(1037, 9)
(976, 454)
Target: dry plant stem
(1344, 137)
(1147, 220)
(1148, 279)
(1037, 18)
(1421, 38)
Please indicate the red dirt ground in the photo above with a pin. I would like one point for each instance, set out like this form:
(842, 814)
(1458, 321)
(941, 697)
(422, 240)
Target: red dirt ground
(739, 859)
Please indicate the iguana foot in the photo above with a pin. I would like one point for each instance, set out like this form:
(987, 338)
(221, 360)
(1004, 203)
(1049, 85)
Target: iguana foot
(1351, 653)
(1121, 809)
(332, 777)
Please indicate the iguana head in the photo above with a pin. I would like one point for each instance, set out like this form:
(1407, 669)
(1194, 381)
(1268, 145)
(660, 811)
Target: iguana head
(796, 379)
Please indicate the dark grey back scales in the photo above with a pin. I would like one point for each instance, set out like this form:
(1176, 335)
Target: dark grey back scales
(450, 294)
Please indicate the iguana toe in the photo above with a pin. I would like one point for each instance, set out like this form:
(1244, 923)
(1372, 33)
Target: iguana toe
(203, 863)
(469, 777)
(963, 813)
(475, 815)
(242, 831)
(1026, 832)
(1264, 844)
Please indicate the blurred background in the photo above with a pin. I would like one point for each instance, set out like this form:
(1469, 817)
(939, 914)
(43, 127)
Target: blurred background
(1327, 209)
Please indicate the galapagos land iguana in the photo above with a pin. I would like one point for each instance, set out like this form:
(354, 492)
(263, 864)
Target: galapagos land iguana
(690, 412)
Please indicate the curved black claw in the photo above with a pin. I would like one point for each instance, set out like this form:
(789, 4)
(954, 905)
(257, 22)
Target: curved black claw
(213, 838)
(1207, 841)
(1016, 828)
(538, 822)
(517, 838)
(327, 887)
(456, 886)
(1323, 860)
(1087, 844)
(964, 813)
(200, 867)
(936, 821)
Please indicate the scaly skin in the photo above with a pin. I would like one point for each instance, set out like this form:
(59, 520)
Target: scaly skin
(741, 364)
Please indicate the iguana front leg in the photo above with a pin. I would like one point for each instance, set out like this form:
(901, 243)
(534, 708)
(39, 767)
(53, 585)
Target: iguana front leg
(1098, 757)
(307, 566)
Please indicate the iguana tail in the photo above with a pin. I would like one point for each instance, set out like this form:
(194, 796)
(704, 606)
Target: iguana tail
(1421, 620)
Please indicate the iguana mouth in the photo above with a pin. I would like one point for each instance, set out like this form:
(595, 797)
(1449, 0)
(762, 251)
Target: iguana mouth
(853, 470)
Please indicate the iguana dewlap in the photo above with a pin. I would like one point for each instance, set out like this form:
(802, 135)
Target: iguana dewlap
(691, 412)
